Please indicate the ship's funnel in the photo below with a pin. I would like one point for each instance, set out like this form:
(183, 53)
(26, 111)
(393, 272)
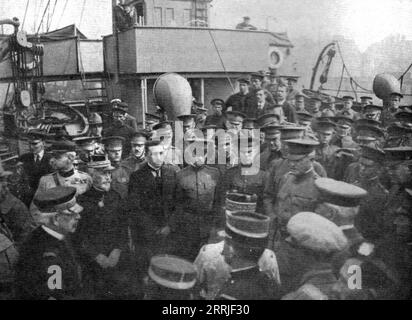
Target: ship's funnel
(384, 84)
(173, 93)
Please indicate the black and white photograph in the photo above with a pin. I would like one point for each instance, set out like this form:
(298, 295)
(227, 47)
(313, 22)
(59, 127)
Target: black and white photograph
(205, 150)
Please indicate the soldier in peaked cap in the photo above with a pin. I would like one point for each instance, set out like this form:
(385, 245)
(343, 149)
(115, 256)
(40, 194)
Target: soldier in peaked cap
(217, 117)
(163, 131)
(314, 107)
(340, 203)
(86, 147)
(170, 278)
(369, 135)
(365, 100)
(236, 102)
(239, 267)
(120, 176)
(305, 256)
(347, 108)
(343, 138)
(189, 122)
(120, 111)
(201, 115)
(292, 84)
(196, 200)
(95, 124)
(151, 120)
(388, 114)
(247, 177)
(234, 120)
(305, 119)
(136, 157)
(120, 127)
(49, 246)
(272, 145)
(296, 191)
(300, 102)
(325, 153)
(372, 112)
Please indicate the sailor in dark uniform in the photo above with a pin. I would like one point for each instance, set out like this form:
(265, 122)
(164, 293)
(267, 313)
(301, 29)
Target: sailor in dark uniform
(217, 117)
(48, 267)
(242, 274)
(236, 102)
(36, 163)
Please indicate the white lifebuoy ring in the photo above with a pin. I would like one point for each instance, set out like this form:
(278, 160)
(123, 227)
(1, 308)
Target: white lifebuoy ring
(275, 57)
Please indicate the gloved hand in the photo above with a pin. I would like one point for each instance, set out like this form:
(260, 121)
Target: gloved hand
(103, 261)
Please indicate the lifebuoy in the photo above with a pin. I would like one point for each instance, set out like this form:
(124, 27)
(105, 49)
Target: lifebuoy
(275, 57)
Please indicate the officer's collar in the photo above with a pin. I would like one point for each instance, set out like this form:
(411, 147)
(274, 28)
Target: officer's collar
(53, 233)
(66, 174)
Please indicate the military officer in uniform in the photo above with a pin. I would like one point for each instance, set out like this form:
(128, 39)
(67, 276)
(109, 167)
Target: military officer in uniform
(372, 112)
(151, 120)
(95, 125)
(48, 266)
(86, 148)
(325, 153)
(347, 108)
(102, 236)
(65, 175)
(343, 138)
(137, 155)
(170, 278)
(388, 114)
(196, 200)
(247, 177)
(123, 107)
(314, 109)
(305, 256)
(300, 102)
(234, 120)
(368, 135)
(239, 268)
(217, 117)
(297, 191)
(236, 102)
(120, 175)
(272, 148)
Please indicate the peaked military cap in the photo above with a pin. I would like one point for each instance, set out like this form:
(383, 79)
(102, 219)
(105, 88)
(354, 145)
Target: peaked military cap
(314, 232)
(247, 228)
(398, 94)
(217, 101)
(85, 141)
(250, 123)
(57, 199)
(121, 106)
(187, 118)
(291, 132)
(113, 141)
(243, 80)
(348, 98)
(344, 120)
(268, 118)
(36, 135)
(299, 148)
(372, 107)
(367, 122)
(304, 116)
(398, 153)
(172, 272)
(100, 161)
(163, 125)
(404, 116)
(271, 130)
(62, 147)
(369, 131)
(373, 153)
(340, 193)
(325, 126)
(366, 98)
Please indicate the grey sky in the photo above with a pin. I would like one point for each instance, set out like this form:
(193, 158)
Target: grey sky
(366, 21)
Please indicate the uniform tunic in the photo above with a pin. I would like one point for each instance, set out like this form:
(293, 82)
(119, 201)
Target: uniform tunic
(213, 271)
(296, 194)
(237, 102)
(197, 209)
(325, 156)
(38, 254)
(249, 284)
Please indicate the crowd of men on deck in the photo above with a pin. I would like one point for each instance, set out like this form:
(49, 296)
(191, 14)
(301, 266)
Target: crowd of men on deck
(315, 206)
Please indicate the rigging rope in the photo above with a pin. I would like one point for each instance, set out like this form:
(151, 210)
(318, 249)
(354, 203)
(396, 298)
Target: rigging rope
(52, 15)
(44, 13)
(221, 61)
(81, 15)
(61, 17)
(347, 71)
(341, 79)
(25, 14)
